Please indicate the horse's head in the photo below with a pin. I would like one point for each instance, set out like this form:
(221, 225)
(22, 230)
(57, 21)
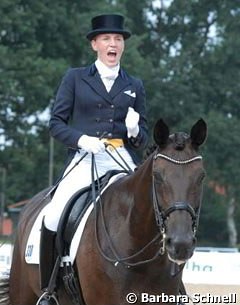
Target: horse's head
(177, 187)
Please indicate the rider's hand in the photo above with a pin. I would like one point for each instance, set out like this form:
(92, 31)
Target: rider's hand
(131, 122)
(91, 144)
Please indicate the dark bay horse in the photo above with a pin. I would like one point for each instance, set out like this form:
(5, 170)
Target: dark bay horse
(135, 247)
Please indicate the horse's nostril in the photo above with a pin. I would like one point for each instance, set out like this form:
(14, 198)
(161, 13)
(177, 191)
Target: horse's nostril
(168, 241)
(194, 242)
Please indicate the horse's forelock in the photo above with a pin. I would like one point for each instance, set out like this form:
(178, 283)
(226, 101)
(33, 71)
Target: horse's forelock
(149, 150)
(179, 140)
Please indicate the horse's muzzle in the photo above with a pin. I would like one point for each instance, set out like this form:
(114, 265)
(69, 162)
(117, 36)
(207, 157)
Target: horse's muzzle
(180, 249)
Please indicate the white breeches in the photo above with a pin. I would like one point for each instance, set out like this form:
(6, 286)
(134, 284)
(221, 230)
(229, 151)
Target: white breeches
(81, 177)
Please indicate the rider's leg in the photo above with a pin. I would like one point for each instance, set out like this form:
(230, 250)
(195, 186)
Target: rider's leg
(78, 178)
(68, 186)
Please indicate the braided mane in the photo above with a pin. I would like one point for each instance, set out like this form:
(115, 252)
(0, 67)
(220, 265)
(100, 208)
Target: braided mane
(149, 150)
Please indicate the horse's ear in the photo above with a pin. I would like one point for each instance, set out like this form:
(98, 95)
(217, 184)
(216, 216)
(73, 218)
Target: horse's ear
(161, 133)
(198, 133)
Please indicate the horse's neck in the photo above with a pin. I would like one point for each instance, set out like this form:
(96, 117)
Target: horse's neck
(141, 214)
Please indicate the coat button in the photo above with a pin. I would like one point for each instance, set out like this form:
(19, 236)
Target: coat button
(110, 120)
(109, 135)
(112, 106)
(97, 133)
(99, 105)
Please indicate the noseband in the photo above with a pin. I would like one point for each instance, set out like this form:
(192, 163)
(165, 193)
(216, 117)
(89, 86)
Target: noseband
(162, 215)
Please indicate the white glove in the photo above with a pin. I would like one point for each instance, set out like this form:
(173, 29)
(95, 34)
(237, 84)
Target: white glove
(131, 122)
(91, 144)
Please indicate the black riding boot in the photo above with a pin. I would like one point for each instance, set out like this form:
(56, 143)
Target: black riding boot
(47, 260)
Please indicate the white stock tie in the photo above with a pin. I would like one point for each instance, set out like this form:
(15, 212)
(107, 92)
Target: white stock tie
(109, 81)
(108, 75)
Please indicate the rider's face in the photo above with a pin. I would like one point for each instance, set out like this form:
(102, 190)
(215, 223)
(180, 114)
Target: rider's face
(109, 48)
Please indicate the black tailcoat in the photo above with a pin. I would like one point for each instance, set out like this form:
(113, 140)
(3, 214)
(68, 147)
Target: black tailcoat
(83, 106)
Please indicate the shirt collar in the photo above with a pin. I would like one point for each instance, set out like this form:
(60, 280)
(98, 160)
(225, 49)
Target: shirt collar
(106, 71)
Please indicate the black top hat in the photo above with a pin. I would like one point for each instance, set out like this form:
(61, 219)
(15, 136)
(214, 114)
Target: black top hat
(108, 24)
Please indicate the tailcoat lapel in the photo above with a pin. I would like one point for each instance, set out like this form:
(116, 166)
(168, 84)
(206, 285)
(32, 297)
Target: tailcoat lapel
(94, 80)
(120, 84)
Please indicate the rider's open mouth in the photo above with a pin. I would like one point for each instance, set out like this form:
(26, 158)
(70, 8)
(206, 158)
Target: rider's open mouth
(112, 53)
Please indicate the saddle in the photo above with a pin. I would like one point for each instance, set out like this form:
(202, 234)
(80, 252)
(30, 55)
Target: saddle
(68, 224)
(75, 209)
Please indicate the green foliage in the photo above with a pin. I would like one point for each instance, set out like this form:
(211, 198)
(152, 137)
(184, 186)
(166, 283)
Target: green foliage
(212, 227)
(185, 51)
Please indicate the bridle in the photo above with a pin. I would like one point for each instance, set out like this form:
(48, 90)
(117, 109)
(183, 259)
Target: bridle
(162, 215)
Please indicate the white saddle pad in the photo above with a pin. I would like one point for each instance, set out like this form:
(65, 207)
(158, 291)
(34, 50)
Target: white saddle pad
(33, 244)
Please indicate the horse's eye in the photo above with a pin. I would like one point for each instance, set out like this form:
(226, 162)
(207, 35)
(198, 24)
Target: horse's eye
(158, 176)
(201, 177)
